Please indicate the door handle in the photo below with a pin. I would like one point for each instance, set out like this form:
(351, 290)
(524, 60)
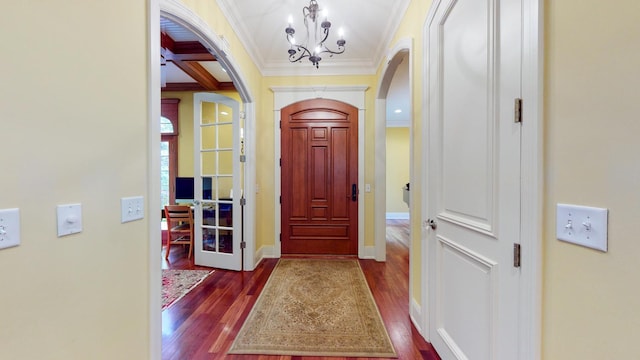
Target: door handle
(354, 192)
(431, 223)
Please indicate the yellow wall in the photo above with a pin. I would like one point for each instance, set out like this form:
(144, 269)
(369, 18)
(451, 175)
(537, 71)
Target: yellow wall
(73, 109)
(397, 168)
(592, 60)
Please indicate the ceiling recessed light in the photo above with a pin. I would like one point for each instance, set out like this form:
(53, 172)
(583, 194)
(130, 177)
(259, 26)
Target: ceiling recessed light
(398, 111)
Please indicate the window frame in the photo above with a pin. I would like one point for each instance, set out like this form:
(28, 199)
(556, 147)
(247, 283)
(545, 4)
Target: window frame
(169, 109)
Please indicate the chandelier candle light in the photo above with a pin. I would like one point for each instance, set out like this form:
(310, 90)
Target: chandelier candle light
(314, 44)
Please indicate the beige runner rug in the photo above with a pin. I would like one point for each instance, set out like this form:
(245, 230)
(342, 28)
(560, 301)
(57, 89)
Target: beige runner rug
(312, 307)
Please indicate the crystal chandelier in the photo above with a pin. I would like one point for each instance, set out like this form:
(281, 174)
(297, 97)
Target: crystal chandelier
(314, 44)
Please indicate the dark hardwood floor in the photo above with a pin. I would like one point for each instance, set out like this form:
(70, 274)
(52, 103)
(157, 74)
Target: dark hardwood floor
(204, 323)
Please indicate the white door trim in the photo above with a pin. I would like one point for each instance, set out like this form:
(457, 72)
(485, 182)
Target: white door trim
(532, 180)
(153, 182)
(530, 306)
(286, 95)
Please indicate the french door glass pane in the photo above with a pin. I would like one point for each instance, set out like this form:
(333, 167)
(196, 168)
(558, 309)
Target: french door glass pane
(164, 173)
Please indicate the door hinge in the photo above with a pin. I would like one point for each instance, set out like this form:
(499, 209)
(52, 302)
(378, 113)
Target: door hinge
(516, 255)
(243, 202)
(280, 237)
(243, 245)
(280, 124)
(242, 115)
(280, 199)
(517, 111)
(243, 158)
(280, 162)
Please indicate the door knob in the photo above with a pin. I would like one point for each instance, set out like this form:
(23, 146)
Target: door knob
(431, 223)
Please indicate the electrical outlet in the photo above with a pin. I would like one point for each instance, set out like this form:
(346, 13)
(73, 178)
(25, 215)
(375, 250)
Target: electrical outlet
(582, 225)
(132, 208)
(9, 228)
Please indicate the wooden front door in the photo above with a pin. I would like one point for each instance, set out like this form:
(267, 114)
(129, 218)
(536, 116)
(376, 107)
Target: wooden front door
(319, 168)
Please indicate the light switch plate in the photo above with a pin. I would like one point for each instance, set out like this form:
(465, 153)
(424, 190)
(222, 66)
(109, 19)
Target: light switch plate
(132, 208)
(582, 225)
(69, 219)
(9, 228)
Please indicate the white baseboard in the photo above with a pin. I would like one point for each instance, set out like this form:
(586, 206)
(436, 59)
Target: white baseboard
(415, 313)
(369, 253)
(265, 252)
(397, 216)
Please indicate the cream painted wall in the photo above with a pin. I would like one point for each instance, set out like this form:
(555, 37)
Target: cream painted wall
(591, 299)
(397, 168)
(74, 130)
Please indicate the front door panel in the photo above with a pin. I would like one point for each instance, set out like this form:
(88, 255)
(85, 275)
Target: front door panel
(319, 175)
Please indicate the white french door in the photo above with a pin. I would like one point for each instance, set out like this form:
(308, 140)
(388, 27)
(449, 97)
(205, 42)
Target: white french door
(473, 169)
(217, 181)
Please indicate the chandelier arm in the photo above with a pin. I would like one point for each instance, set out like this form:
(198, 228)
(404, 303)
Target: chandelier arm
(301, 53)
(297, 51)
(324, 38)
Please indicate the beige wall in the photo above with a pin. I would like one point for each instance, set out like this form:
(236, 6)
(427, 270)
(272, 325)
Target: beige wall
(397, 168)
(73, 109)
(591, 299)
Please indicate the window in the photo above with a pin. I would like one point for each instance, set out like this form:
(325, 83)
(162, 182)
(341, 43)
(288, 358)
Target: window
(168, 150)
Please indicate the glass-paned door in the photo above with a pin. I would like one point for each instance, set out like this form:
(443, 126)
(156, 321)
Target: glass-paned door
(217, 181)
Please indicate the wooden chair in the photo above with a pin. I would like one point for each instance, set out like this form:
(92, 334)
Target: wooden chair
(179, 227)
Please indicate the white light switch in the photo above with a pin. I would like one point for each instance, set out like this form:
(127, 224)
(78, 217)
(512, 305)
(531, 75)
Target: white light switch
(9, 228)
(69, 219)
(132, 208)
(582, 225)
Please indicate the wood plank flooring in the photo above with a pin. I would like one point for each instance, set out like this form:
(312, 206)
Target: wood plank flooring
(204, 323)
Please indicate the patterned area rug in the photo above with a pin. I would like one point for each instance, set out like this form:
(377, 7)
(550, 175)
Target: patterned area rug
(315, 308)
(177, 283)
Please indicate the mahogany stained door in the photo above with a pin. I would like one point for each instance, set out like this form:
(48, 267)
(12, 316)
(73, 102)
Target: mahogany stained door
(319, 168)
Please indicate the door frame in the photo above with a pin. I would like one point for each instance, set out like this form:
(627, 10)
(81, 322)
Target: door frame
(531, 222)
(286, 95)
(181, 14)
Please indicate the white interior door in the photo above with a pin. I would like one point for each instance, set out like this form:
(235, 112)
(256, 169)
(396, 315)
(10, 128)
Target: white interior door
(218, 179)
(473, 169)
